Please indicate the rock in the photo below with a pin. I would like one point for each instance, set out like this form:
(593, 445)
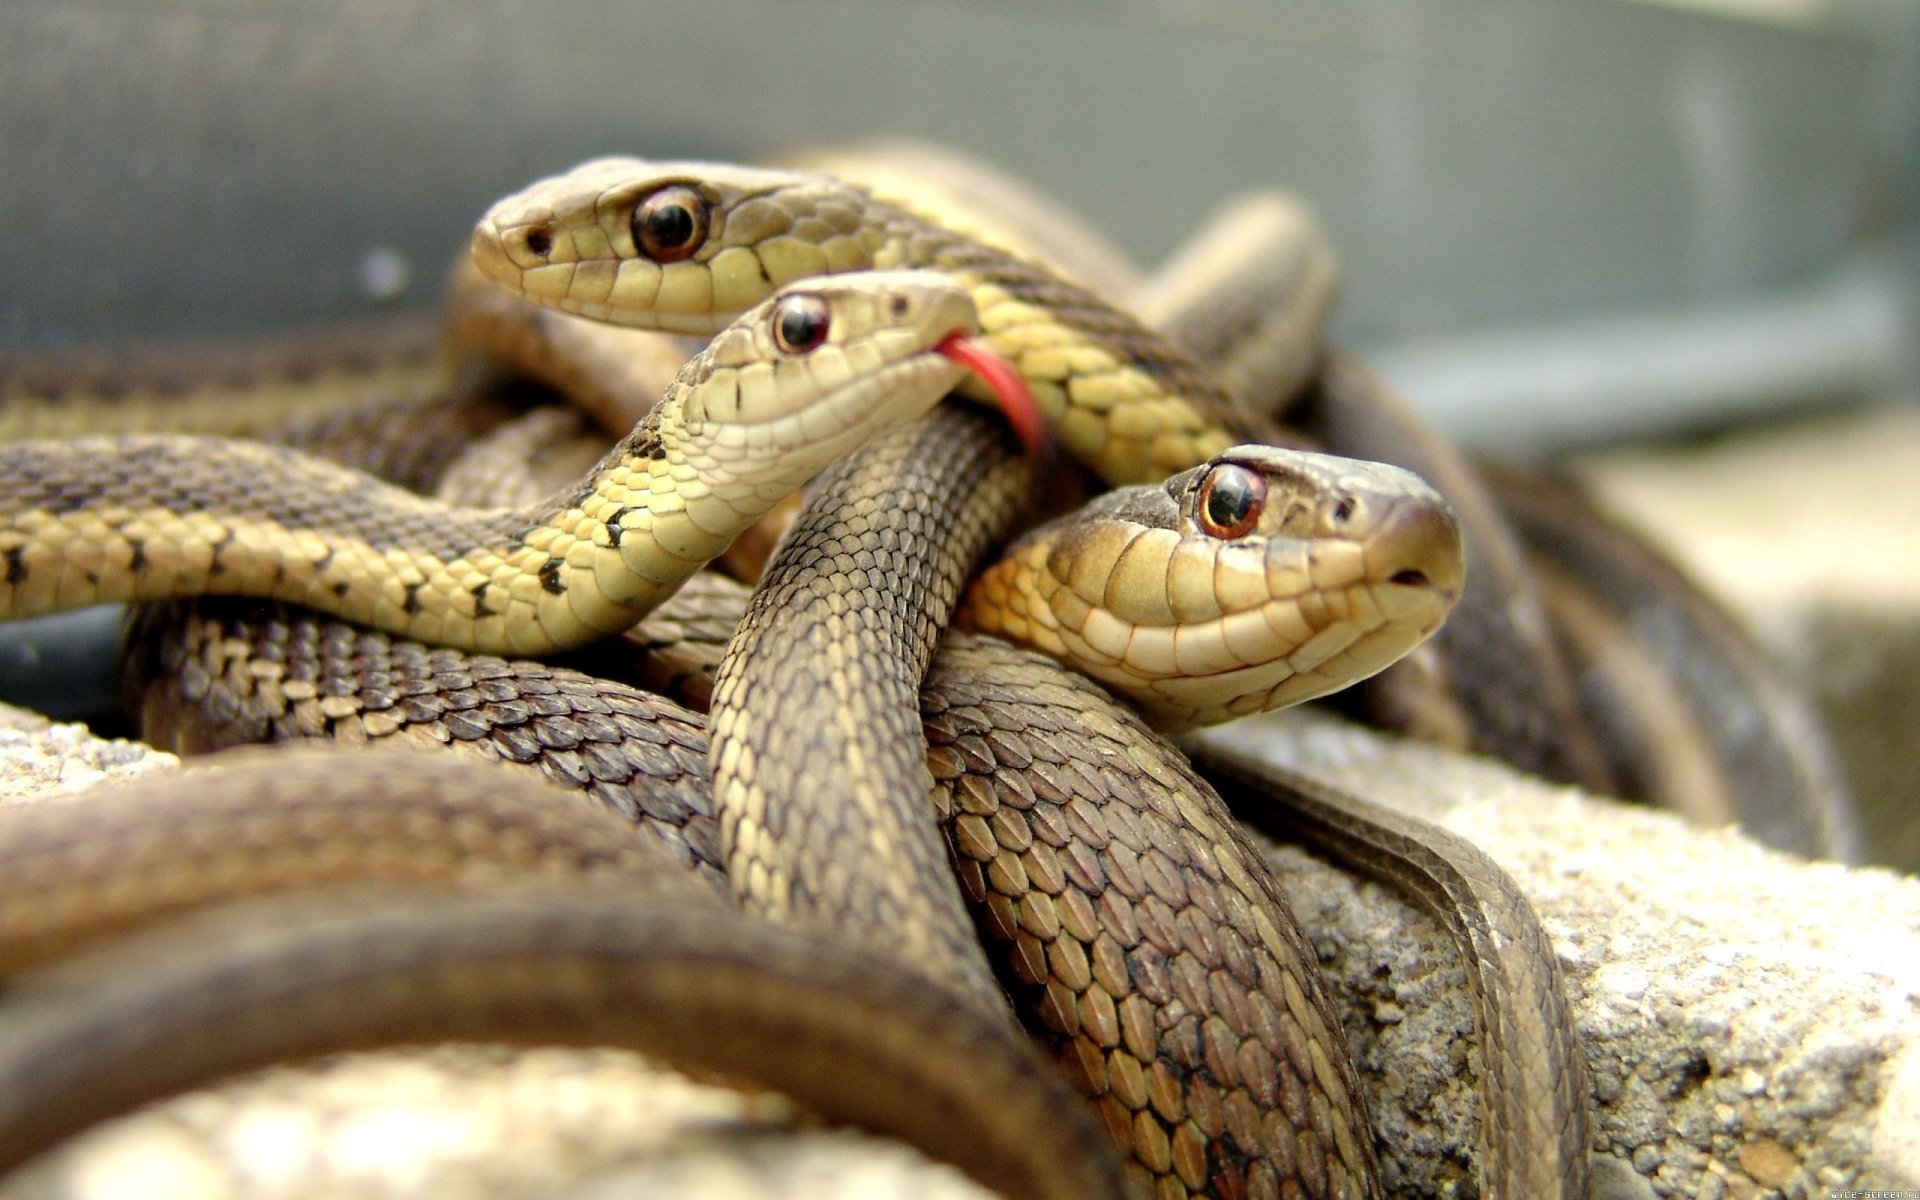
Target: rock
(1808, 532)
(1748, 1017)
(40, 758)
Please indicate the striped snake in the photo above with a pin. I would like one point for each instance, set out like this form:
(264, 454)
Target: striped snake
(1409, 557)
(794, 383)
(677, 246)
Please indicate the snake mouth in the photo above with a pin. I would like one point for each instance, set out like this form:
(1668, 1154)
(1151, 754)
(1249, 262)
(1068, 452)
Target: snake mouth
(1007, 385)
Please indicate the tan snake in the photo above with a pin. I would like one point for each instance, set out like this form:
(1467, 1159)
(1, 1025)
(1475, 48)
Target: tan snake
(794, 383)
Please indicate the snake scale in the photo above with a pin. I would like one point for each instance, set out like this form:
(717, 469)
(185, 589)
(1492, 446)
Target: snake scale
(1103, 1019)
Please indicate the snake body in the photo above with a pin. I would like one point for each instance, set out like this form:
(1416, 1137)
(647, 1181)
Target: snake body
(443, 699)
(432, 695)
(252, 390)
(1118, 897)
(561, 243)
(569, 929)
(818, 764)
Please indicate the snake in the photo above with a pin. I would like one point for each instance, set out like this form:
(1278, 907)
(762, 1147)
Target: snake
(1127, 382)
(239, 391)
(465, 902)
(796, 381)
(677, 246)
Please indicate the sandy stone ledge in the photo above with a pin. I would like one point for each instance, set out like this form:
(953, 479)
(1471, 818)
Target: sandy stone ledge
(41, 758)
(1751, 1020)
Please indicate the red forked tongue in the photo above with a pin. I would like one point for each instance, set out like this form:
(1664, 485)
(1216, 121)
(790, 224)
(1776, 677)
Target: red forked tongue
(1007, 385)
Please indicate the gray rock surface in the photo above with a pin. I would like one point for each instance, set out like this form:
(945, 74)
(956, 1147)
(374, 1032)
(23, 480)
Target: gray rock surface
(1751, 1020)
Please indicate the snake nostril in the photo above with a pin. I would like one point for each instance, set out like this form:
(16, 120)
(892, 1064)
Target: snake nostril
(898, 306)
(1411, 577)
(539, 240)
(1343, 511)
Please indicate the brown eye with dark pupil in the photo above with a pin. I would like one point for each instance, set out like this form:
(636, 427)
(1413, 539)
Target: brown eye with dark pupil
(671, 224)
(800, 323)
(1230, 501)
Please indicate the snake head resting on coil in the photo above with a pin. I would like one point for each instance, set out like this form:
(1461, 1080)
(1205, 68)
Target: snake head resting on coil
(680, 247)
(1259, 579)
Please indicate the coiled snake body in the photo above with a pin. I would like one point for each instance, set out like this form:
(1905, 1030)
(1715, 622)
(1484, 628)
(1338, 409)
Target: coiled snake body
(626, 241)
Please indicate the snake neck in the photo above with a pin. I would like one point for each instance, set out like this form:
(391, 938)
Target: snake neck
(1122, 399)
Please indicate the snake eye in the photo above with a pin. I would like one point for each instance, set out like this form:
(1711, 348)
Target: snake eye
(670, 224)
(800, 322)
(1230, 501)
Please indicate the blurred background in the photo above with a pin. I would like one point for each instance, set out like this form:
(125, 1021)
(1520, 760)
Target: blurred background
(1560, 221)
(1565, 226)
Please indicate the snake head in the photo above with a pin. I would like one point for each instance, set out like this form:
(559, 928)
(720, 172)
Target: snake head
(1259, 579)
(679, 247)
(824, 365)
